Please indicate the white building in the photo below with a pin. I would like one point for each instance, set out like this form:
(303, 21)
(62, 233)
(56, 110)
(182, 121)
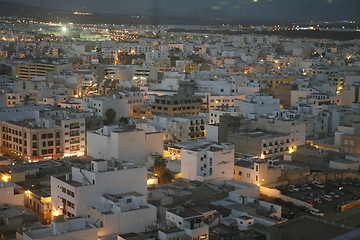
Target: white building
(188, 223)
(153, 55)
(129, 144)
(207, 161)
(256, 172)
(120, 207)
(216, 101)
(214, 114)
(121, 103)
(257, 104)
(8, 195)
(9, 99)
(183, 128)
(72, 135)
(246, 211)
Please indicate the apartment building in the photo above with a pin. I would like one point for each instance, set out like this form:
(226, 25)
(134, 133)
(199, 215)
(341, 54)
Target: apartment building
(216, 101)
(257, 104)
(182, 103)
(28, 71)
(134, 48)
(348, 138)
(125, 144)
(180, 128)
(188, 223)
(271, 82)
(121, 103)
(257, 172)
(113, 208)
(30, 139)
(214, 114)
(204, 161)
(9, 99)
(268, 137)
(47, 137)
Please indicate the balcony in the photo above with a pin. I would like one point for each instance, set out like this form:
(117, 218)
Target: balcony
(74, 134)
(74, 126)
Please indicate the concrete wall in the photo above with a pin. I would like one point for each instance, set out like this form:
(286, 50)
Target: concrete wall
(127, 180)
(277, 194)
(127, 222)
(212, 132)
(7, 195)
(132, 146)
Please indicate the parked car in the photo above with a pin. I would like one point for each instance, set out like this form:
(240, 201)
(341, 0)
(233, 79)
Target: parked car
(316, 212)
(327, 198)
(293, 188)
(318, 184)
(306, 186)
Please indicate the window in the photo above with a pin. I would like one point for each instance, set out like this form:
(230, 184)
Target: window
(129, 200)
(240, 173)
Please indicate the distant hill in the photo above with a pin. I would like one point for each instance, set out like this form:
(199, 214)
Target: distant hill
(150, 16)
(23, 10)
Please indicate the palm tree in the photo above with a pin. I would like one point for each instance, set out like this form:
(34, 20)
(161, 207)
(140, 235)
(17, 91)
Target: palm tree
(110, 115)
(161, 171)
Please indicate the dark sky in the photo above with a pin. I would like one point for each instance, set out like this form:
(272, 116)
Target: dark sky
(261, 9)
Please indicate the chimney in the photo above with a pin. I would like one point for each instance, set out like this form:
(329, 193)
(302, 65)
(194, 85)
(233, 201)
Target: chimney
(67, 177)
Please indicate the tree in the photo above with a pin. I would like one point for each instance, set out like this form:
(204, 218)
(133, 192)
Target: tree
(124, 120)
(161, 171)
(110, 115)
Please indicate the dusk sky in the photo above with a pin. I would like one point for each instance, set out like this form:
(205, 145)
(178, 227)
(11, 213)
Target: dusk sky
(260, 9)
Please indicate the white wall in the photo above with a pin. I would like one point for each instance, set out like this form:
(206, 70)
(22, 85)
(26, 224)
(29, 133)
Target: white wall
(132, 146)
(206, 164)
(7, 195)
(127, 180)
(127, 222)
(212, 132)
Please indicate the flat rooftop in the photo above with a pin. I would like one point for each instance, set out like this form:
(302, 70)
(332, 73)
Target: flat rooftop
(23, 167)
(119, 196)
(185, 212)
(70, 182)
(260, 134)
(245, 217)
